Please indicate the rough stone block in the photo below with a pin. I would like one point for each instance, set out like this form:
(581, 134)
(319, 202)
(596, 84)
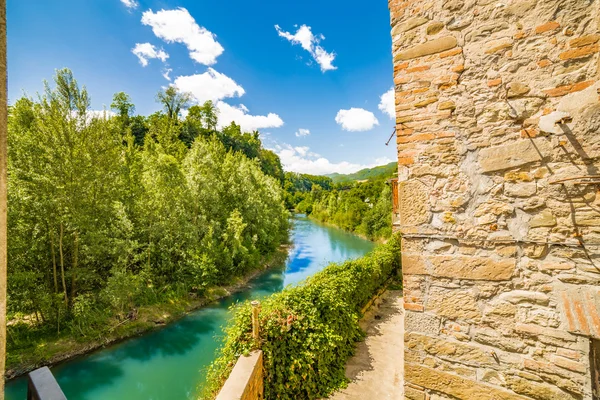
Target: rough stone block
(545, 218)
(537, 390)
(422, 322)
(471, 355)
(455, 385)
(520, 189)
(413, 394)
(459, 267)
(413, 203)
(516, 89)
(411, 23)
(475, 268)
(498, 158)
(494, 46)
(431, 47)
(524, 296)
(444, 303)
(434, 28)
(491, 338)
(536, 330)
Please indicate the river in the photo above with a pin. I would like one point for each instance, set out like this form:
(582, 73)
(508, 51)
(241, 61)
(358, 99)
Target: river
(169, 363)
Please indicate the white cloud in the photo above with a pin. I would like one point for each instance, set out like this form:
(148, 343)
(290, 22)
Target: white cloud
(383, 160)
(356, 120)
(146, 51)
(324, 59)
(302, 160)
(179, 26)
(309, 42)
(90, 115)
(388, 103)
(104, 114)
(248, 123)
(166, 73)
(303, 37)
(210, 85)
(131, 4)
(302, 150)
(302, 132)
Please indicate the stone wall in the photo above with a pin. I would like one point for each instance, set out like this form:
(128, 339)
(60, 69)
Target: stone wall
(246, 381)
(498, 109)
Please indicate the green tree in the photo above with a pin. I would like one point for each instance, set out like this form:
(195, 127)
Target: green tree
(108, 214)
(200, 121)
(173, 101)
(65, 179)
(122, 105)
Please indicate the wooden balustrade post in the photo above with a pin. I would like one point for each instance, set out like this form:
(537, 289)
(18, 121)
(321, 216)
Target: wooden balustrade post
(255, 323)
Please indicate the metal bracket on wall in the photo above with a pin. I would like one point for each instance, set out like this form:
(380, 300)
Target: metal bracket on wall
(391, 137)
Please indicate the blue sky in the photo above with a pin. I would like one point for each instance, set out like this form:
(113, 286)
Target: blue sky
(308, 74)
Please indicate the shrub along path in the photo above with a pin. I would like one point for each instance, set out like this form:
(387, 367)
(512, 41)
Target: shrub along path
(376, 369)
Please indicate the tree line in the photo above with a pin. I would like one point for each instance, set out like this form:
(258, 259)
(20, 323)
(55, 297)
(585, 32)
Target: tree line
(361, 207)
(110, 211)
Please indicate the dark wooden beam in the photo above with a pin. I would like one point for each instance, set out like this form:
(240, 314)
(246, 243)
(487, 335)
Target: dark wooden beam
(3, 190)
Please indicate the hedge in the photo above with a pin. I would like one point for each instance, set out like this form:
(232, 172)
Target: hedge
(309, 331)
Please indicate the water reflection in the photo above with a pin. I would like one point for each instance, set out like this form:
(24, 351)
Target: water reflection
(167, 364)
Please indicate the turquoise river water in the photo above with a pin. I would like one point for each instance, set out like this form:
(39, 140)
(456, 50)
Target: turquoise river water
(170, 363)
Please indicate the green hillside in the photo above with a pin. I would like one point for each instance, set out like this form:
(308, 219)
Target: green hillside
(383, 171)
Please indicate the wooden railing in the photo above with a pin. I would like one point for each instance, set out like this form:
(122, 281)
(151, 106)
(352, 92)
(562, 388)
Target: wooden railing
(41, 385)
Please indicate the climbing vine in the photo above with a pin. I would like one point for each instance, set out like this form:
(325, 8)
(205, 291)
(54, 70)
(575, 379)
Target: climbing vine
(308, 331)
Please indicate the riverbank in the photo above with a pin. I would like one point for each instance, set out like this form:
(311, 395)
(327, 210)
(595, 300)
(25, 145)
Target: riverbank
(379, 240)
(148, 318)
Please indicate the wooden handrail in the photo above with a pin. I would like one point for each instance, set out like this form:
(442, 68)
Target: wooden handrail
(41, 385)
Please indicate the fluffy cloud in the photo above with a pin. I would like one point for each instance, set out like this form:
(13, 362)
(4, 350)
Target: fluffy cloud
(302, 160)
(309, 42)
(104, 114)
(131, 4)
(387, 103)
(146, 51)
(90, 115)
(210, 85)
(166, 73)
(302, 132)
(248, 123)
(302, 150)
(179, 26)
(356, 120)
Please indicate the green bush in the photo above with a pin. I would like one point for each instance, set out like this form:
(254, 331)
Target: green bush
(308, 331)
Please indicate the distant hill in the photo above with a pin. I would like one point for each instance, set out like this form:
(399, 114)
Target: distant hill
(383, 171)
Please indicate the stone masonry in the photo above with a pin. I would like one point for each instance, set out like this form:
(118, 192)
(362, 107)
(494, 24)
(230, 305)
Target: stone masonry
(498, 134)
(246, 381)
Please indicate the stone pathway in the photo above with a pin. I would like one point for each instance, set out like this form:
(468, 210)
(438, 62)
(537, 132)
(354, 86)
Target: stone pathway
(377, 368)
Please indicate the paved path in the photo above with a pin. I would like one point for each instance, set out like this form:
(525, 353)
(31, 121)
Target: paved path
(377, 368)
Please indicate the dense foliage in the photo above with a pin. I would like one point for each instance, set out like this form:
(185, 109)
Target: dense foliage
(298, 185)
(382, 172)
(364, 208)
(308, 331)
(112, 211)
